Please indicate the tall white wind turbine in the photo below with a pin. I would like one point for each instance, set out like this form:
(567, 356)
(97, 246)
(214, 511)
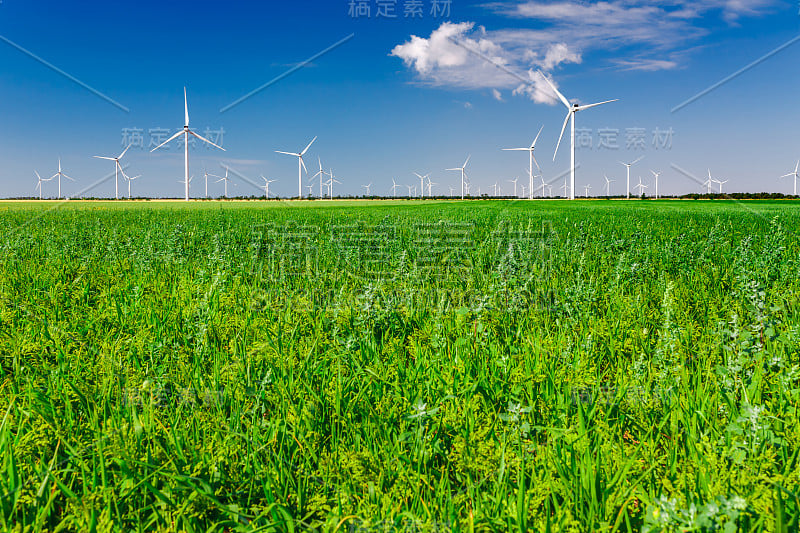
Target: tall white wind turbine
(129, 180)
(394, 188)
(422, 184)
(514, 181)
(641, 187)
(367, 187)
(532, 161)
(721, 183)
(39, 185)
(656, 175)
(587, 188)
(709, 182)
(117, 169)
(608, 185)
(572, 110)
(226, 179)
(463, 171)
(795, 175)
(319, 175)
(300, 166)
(186, 132)
(628, 166)
(60, 175)
(266, 186)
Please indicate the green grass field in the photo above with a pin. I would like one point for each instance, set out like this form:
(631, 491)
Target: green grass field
(400, 366)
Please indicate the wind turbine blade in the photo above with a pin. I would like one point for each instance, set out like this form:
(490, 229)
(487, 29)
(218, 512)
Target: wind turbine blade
(584, 107)
(287, 153)
(467, 161)
(535, 161)
(537, 138)
(563, 129)
(309, 146)
(64, 175)
(453, 169)
(303, 165)
(560, 96)
(106, 158)
(167, 141)
(186, 107)
(640, 159)
(124, 152)
(516, 149)
(206, 141)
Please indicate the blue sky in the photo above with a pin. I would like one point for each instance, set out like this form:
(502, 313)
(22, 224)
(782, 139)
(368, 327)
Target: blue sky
(399, 97)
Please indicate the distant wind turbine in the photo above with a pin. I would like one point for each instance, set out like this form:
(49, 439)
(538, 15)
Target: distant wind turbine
(656, 175)
(628, 166)
(266, 186)
(395, 186)
(129, 184)
(587, 189)
(514, 181)
(572, 110)
(300, 166)
(608, 185)
(39, 185)
(319, 175)
(117, 169)
(721, 183)
(421, 184)
(709, 182)
(641, 187)
(226, 179)
(532, 160)
(186, 132)
(463, 171)
(60, 175)
(367, 187)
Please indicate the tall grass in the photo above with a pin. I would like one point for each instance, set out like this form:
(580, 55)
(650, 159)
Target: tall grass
(433, 366)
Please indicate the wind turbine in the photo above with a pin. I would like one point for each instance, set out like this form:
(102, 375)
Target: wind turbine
(422, 183)
(226, 180)
(641, 186)
(39, 185)
(430, 187)
(367, 187)
(523, 190)
(266, 186)
(452, 190)
(394, 188)
(795, 175)
(532, 160)
(656, 175)
(463, 171)
(721, 183)
(608, 185)
(300, 165)
(319, 174)
(129, 183)
(549, 191)
(587, 188)
(409, 189)
(709, 182)
(206, 175)
(331, 182)
(565, 187)
(514, 181)
(543, 185)
(628, 166)
(186, 132)
(495, 189)
(117, 169)
(572, 110)
(60, 175)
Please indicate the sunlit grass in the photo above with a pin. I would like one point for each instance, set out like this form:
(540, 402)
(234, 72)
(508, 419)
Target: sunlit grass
(588, 366)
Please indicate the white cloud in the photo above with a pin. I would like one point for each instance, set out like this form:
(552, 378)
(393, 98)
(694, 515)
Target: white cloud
(637, 35)
(477, 61)
(497, 95)
(538, 89)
